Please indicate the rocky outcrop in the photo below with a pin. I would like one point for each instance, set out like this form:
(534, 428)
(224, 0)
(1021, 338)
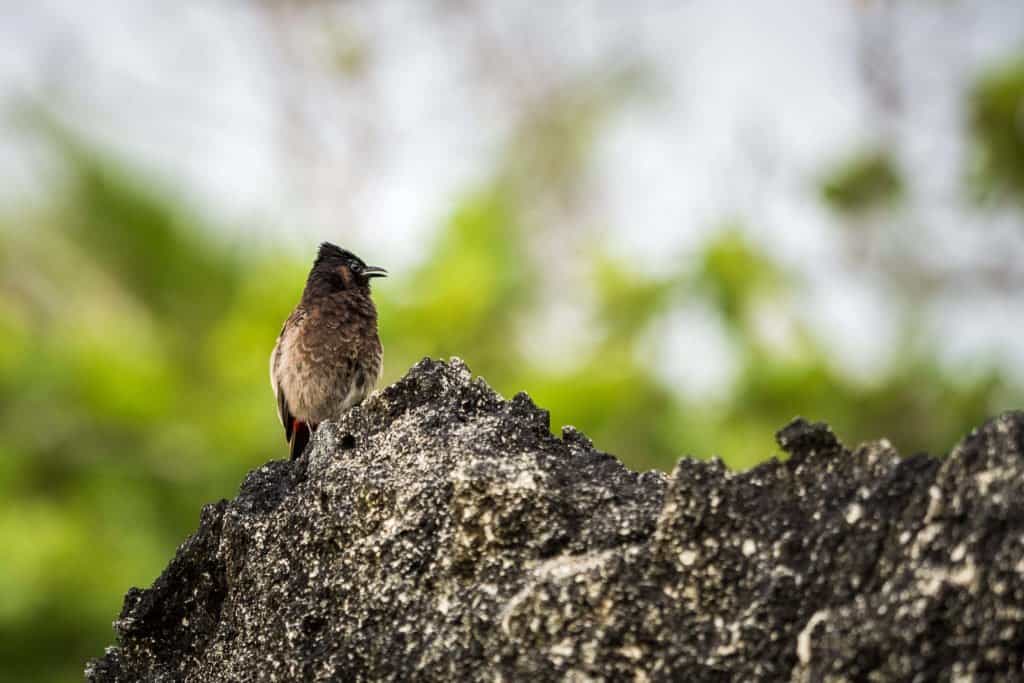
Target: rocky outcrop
(439, 532)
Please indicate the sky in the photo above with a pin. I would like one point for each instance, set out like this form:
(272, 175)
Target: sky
(253, 113)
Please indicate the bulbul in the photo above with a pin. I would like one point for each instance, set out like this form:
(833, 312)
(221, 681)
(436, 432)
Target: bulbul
(328, 355)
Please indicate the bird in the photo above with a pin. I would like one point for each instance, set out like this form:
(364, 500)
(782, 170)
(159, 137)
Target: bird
(328, 356)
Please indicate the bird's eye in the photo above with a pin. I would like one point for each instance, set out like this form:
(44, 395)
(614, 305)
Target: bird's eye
(355, 267)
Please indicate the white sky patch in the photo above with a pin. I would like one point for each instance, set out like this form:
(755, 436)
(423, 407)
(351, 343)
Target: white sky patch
(855, 321)
(982, 324)
(775, 326)
(693, 351)
(560, 336)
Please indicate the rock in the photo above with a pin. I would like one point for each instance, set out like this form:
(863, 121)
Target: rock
(438, 532)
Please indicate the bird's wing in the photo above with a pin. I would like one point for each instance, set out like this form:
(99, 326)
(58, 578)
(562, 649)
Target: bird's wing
(287, 419)
(284, 414)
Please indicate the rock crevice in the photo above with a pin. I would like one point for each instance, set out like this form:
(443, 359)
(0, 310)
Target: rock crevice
(439, 532)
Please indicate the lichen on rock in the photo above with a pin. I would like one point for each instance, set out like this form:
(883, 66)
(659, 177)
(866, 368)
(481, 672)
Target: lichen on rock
(438, 532)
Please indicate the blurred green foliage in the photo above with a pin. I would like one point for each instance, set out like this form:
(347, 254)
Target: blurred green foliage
(870, 180)
(997, 123)
(133, 367)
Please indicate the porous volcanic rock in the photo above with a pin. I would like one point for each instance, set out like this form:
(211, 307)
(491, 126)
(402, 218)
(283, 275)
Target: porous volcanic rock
(441, 533)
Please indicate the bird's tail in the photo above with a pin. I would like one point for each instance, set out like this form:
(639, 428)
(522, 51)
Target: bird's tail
(299, 440)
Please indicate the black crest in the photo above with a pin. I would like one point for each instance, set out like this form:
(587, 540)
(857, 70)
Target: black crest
(333, 254)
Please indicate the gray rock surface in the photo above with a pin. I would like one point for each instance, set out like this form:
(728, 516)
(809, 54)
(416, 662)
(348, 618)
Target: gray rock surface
(439, 532)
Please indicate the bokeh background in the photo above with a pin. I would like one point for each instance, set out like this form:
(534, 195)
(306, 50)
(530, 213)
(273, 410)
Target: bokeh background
(675, 224)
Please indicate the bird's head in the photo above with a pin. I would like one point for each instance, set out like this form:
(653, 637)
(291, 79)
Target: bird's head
(339, 269)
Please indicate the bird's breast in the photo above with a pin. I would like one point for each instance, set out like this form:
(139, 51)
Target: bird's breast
(324, 372)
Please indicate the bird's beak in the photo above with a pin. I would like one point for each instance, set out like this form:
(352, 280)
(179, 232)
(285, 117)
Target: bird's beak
(374, 271)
